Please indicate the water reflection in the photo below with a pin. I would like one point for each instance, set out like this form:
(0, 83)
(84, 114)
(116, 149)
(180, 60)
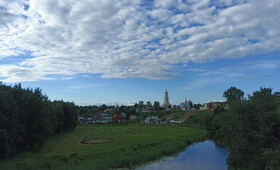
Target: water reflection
(200, 156)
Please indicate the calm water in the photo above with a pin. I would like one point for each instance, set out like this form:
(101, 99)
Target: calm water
(200, 156)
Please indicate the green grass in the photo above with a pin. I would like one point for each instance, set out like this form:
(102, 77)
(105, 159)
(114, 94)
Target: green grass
(134, 145)
(199, 119)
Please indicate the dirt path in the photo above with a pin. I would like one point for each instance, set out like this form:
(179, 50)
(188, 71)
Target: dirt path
(182, 118)
(169, 117)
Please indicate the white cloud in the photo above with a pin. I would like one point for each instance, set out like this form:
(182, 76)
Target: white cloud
(196, 69)
(122, 39)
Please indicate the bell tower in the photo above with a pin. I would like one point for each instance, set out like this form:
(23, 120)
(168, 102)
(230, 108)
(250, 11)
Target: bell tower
(166, 102)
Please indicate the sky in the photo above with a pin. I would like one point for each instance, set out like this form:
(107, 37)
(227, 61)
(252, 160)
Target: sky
(122, 51)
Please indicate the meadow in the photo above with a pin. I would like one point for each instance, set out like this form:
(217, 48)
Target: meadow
(133, 145)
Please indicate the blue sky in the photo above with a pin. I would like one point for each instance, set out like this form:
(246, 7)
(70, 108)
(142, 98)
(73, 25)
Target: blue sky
(121, 52)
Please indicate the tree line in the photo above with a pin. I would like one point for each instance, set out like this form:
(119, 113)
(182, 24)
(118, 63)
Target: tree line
(249, 127)
(28, 118)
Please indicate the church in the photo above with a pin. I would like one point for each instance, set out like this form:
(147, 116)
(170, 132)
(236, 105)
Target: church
(166, 103)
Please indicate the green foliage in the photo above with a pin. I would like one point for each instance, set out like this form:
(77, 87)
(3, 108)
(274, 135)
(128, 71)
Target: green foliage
(233, 94)
(133, 145)
(28, 118)
(156, 105)
(251, 130)
(149, 104)
(197, 106)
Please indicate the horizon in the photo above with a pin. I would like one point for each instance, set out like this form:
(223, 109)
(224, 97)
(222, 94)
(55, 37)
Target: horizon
(96, 52)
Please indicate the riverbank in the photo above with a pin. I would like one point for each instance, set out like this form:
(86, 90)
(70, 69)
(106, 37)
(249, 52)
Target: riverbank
(133, 145)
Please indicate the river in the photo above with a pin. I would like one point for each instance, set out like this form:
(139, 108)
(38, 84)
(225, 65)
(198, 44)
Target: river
(200, 156)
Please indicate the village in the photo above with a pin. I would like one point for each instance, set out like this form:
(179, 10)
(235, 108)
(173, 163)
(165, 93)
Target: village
(148, 114)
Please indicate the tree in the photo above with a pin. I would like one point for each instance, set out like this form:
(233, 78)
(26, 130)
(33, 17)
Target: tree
(197, 106)
(149, 104)
(141, 103)
(233, 94)
(250, 129)
(156, 105)
(28, 118)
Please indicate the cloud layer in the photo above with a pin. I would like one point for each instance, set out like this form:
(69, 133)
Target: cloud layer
(122, 39)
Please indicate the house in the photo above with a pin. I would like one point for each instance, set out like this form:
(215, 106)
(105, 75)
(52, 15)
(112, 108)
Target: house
(132, 117)
(120, 117)
(104, 114)
(152, 119)
(107, 119)
(97, 116)
(102, 118)
(144, 109)
(108, 110)
(80, 118)
(212, 105)
(186, 105)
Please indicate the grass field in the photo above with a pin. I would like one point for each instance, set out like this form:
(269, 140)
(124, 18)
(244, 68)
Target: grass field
(133, 145)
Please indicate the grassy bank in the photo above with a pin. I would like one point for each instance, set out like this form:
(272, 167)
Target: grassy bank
(133, 145)
(201, 119)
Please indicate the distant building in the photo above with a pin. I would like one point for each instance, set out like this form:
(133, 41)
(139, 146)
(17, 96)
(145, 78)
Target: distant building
(132, 117)
(102, 118)
(146, 109)
(120, 117)
(212, 105)
(81, 118)
(97, 116)
(166, 103)
(152, 119)
(107, 119)
(186, 105)
(108, 110)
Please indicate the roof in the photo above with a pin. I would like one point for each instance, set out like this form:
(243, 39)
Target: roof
(155, 117)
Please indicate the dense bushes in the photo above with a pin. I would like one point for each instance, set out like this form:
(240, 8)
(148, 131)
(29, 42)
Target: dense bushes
(28, 118)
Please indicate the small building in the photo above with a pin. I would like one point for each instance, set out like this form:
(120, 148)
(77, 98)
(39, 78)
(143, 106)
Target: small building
(120, 117)
(108, 110)
(97, 116)
(212, 105)
(152, 119)
(104, 114)
(186, 105)
(107, 119)
(132, 117)
(102, 118)
(144, 109)
(81, 118)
